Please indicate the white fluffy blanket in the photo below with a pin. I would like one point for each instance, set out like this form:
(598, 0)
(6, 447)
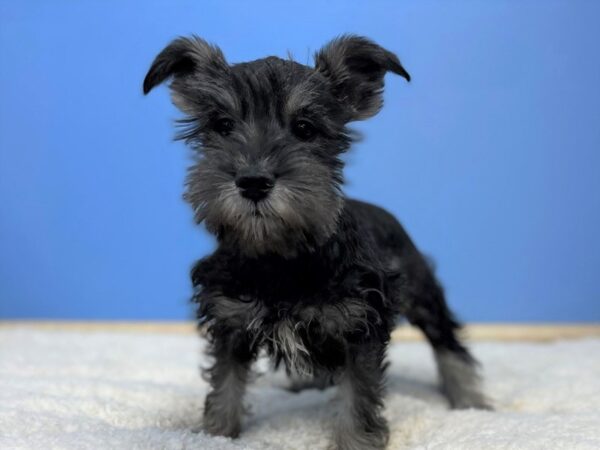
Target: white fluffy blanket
(101, 390)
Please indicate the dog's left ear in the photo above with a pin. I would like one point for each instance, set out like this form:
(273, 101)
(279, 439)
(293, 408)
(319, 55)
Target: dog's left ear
(355, 67)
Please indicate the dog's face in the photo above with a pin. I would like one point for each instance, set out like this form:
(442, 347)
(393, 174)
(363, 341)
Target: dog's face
(268, 136)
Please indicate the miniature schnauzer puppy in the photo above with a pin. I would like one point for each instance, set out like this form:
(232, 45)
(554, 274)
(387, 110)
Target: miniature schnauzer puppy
(315, 279)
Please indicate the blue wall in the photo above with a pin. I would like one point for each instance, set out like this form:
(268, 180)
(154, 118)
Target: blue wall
(491, 156)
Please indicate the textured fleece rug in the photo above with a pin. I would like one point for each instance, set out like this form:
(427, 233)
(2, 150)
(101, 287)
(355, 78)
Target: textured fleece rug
(100, 390)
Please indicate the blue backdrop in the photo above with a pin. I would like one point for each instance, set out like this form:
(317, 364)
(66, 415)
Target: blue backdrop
(490, 157)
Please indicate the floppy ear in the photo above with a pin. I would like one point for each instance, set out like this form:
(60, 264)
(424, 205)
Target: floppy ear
(184, 57)
(355, 67)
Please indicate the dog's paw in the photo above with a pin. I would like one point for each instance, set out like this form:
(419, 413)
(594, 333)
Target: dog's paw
(219, 421)
(356, 437)
(469, 399)
(220, 428)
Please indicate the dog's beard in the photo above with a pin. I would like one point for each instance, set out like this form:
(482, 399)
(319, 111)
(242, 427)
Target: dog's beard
(289, 220)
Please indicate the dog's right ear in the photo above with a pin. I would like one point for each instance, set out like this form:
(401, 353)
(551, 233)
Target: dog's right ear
(183, 58)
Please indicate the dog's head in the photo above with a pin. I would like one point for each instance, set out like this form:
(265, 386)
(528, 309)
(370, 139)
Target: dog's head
(268, 135)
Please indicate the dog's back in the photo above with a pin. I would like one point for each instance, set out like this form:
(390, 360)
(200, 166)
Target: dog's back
(398, 251)
(386, 230)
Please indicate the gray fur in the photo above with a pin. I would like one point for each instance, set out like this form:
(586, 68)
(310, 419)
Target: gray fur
(460, 381)
(223, 407)
(360, 424)
(288, 343)
(281, 221)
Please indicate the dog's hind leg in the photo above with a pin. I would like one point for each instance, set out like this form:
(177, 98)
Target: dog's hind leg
(457, 368)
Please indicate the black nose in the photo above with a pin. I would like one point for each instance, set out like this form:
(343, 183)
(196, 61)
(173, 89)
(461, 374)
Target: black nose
(254, 187)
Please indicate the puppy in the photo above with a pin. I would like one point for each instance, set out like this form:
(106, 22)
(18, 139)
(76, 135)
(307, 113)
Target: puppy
(315, 279)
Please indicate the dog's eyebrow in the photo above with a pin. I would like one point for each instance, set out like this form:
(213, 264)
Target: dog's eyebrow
(220, 93)
(301, 97)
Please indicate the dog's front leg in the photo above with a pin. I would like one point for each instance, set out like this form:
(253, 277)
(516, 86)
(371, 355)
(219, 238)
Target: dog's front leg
(223, 407)
(360, 424)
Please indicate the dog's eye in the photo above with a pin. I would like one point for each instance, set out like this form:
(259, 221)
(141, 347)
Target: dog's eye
(303, 129)
(223, 126)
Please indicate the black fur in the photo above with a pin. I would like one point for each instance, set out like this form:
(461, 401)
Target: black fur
(316, 279)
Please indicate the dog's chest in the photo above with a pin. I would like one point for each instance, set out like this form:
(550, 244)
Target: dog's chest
(303, 336)
(302, 311)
